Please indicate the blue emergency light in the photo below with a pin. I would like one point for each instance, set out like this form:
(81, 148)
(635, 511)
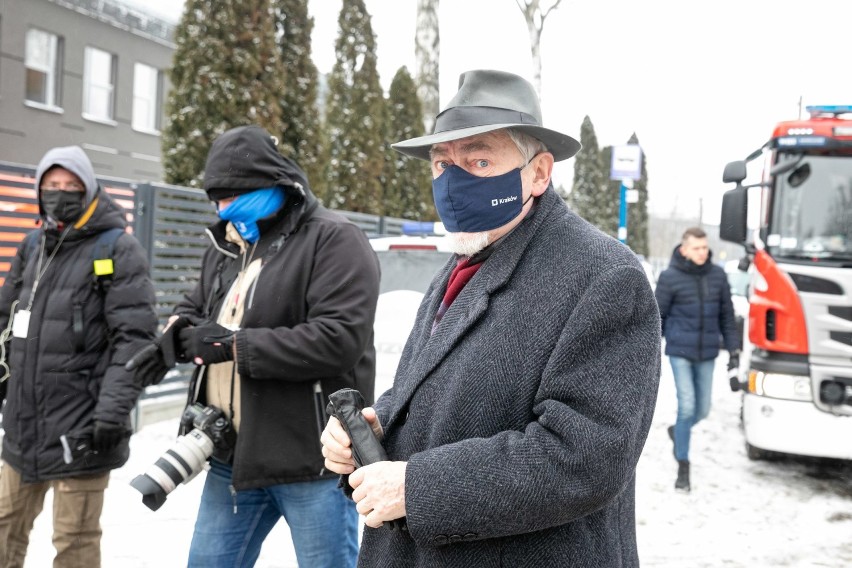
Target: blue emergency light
(828, 109)
(423, 228)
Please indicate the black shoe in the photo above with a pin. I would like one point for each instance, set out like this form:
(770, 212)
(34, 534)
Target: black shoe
(682, 475)
(670, 430)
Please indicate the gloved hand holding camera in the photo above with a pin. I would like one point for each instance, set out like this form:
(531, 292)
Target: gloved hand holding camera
(153, 361)
(207, 343)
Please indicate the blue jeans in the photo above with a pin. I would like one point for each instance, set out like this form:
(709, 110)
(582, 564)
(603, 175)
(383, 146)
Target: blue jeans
(694, 384)
(323, 522)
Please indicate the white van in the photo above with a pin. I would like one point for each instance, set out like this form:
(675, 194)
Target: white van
(408, 264)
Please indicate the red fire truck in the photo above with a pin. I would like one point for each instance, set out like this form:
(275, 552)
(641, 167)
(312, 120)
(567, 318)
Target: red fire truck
(796, 369)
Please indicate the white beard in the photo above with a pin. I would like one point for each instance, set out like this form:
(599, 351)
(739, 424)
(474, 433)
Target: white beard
(468, 244)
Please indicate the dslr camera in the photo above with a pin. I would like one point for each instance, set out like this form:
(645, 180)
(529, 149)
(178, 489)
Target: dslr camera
(211, 434)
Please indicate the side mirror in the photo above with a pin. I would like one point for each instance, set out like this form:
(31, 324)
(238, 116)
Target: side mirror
(735, 172)
(732, 227)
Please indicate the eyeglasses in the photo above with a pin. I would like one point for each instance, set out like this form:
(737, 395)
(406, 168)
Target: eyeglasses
(63, 187)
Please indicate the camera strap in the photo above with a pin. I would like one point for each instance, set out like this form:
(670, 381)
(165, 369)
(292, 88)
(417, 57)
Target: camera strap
(229, 268)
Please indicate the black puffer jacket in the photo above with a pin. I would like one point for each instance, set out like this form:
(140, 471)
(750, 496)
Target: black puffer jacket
(695, 307)
(308, 321)
(61, 379)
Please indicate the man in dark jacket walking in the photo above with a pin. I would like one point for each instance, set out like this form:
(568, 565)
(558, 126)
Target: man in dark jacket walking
(695, 307)
(527, 386)
(282, 316)
(75, 305)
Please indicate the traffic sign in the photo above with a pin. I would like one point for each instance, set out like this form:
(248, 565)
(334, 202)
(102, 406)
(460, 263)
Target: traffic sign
(626, 162)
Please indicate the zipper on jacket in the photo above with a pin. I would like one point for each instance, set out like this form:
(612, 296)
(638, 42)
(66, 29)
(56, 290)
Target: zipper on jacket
(233, 496)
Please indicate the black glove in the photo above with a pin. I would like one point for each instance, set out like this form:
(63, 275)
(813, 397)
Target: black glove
(206, 344)
(107, 436)
(734, 370)
(152, 362)
(346, 406)
(734, 360)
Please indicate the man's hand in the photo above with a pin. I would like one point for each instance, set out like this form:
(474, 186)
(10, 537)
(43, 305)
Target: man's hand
(733, 360)
(207, 343)
(379, 491)
(151, 363)
(107, 436)
(337, 447)
(733, 371)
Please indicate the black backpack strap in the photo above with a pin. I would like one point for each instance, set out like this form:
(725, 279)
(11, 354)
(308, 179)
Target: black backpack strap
(102, 262)
(102, 270)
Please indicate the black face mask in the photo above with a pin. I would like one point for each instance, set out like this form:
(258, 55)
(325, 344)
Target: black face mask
(64, 206)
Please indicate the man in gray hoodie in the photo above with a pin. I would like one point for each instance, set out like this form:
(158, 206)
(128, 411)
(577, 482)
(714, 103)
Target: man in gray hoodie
(77, 302)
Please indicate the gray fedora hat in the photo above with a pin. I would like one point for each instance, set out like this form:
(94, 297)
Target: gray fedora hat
(486, 101)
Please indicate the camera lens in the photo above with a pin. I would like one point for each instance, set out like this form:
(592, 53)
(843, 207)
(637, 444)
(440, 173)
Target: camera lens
(179, 464)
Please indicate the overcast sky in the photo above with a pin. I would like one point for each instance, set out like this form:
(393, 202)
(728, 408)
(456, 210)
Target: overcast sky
(701, 84)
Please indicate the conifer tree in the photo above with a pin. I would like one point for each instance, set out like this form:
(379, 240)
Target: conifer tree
(354, 116)
(637, 213)
(588, 176)
(226, 72)
(407, 181)
(301, 137)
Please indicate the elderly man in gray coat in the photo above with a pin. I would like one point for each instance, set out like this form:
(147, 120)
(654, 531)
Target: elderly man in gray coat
(527, 386)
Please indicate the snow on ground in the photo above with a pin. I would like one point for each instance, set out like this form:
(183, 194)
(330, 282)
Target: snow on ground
(740, 513)
(789, 513)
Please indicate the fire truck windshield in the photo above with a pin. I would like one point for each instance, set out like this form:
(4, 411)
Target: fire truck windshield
(811, 215)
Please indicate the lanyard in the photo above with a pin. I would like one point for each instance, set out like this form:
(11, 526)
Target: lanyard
(41, 270)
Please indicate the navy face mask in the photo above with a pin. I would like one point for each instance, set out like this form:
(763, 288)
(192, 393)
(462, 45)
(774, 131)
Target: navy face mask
(470, 204)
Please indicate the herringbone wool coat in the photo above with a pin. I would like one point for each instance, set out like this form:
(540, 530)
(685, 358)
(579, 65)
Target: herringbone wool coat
(523, 416)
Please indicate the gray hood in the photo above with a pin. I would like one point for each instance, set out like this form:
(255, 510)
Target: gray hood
(73, 159)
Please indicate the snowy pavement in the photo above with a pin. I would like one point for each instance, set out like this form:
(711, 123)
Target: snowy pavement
(740, 513)
(791, 513)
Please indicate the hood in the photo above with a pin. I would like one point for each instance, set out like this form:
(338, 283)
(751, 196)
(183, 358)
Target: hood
(73, 159)
(681, 263)
(247, 158)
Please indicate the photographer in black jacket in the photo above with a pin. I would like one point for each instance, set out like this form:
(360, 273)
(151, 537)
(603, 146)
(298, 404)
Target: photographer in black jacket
(282, 316)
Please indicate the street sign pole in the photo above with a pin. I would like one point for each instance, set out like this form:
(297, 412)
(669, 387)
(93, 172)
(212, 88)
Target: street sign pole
(626, 166)
(622, 213)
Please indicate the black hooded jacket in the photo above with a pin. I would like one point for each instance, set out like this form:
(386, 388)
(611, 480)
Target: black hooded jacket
(307, 329)
(69, 370)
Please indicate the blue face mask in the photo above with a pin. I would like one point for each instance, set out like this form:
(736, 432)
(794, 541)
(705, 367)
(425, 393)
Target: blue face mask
(470, 204)
(245, 211)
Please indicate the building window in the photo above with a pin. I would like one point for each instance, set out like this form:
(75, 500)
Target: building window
(42, 61)
(98, 84)
(146, 98)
